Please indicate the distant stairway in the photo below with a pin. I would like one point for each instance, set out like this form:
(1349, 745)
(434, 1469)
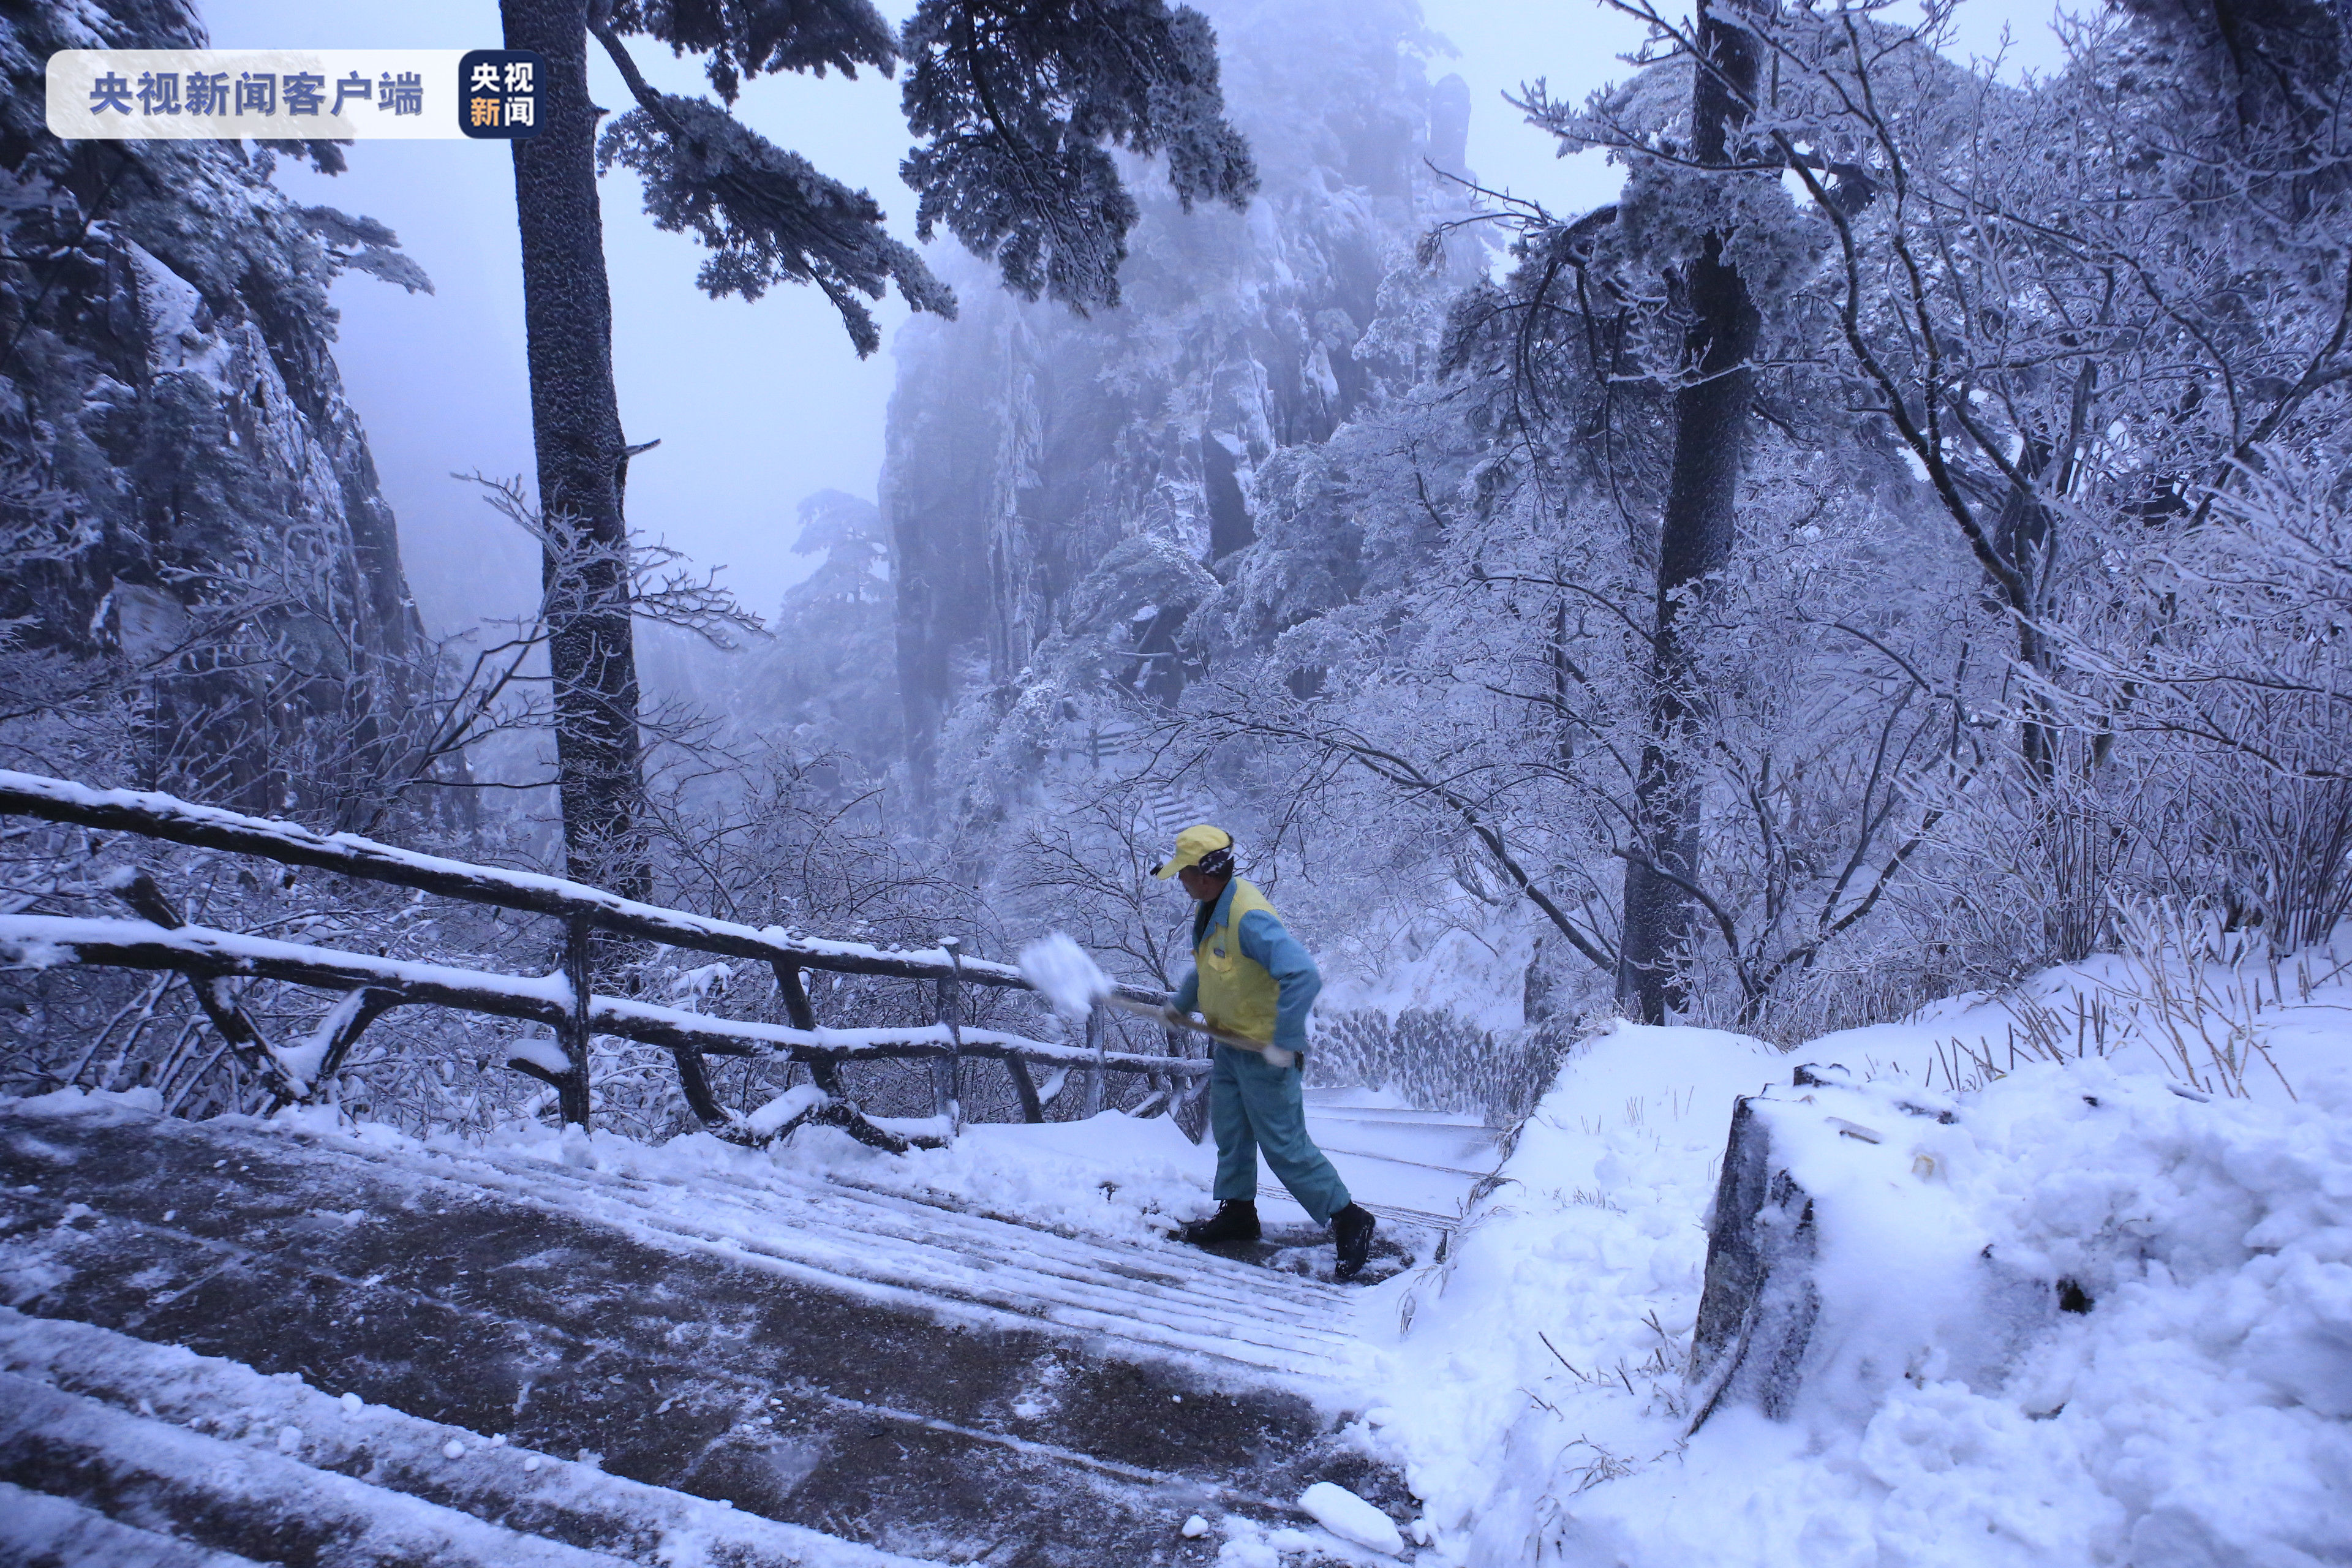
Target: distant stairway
(1169, 812)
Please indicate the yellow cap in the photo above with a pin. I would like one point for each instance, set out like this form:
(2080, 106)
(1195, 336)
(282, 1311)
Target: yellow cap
(1191, 845)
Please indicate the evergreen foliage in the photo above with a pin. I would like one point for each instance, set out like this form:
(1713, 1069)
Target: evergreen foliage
(834, 667)
(1021, 102)
(744, 38)
(765, 215)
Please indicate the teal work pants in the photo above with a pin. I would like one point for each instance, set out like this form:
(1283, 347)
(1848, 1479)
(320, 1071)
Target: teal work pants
(1253, 1105)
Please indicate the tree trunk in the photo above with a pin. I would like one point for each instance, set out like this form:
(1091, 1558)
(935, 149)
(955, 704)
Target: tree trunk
(576, 431)
(1695, 538)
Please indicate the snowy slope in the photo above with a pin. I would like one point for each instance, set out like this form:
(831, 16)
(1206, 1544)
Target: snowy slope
(2195, 1414)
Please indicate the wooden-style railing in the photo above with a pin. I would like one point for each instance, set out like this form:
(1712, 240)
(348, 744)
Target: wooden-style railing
(161, 940)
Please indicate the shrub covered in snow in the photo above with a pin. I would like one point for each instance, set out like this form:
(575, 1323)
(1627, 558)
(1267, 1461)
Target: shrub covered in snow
(1437, 1060)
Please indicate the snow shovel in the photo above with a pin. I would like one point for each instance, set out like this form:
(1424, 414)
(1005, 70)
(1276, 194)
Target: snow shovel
(1061, 971)
(1274, 1055)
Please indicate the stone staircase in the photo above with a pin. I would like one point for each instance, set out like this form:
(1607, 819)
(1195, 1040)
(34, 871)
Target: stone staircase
(1167, 811)
(231, 1342)
(147, 1453)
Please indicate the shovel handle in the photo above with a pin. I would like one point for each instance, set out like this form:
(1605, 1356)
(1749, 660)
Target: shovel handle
(1274, 1055)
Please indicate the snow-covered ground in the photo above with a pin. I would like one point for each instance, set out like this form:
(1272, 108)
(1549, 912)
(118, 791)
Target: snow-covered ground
(2195, 1415)
(2191, 1188)
(1394, 1156)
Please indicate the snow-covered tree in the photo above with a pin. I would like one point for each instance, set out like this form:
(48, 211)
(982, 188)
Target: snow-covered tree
(1016, 102)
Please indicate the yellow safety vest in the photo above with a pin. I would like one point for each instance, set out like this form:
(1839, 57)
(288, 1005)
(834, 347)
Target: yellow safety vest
(1237, 992)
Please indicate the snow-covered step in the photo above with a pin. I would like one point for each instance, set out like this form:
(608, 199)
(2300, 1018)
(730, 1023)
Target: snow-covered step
(1167, 811)
(1420, 1166)
(1217, 1278)
(1388, 1214)
(1175, 1273)
(243, 1500)
(37, 1528)
(1332, 1146)
(246, 1424)
(1166, 1299)
(903, 1374)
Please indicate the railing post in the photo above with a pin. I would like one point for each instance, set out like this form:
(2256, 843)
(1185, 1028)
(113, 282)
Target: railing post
(571, 1094)
(824, 1072)
(694, 1082)
(237, 1029)
(947, 1087)
(1094, 1074)
(1025, 1087)
(1192, 1113)
(342, 1031)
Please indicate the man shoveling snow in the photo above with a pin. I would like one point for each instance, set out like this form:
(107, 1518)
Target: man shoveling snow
(1252, 978)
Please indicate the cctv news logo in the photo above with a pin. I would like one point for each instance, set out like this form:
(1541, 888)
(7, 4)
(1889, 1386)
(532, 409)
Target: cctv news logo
(501, 98)
(498, 95)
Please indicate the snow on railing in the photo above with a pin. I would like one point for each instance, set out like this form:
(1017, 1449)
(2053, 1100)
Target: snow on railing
(155, 815)
(37, 941)
(163, 941)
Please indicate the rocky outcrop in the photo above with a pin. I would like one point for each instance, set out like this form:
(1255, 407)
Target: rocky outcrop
(1032, 452)
(1756, 1319)
(1844, 1256)
(187, 498)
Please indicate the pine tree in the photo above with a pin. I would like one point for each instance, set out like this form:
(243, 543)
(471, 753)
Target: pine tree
(1695, 539)
(1018, 103)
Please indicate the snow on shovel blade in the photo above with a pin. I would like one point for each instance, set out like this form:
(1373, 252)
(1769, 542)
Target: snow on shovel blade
(1075, 986)
(1063, 974)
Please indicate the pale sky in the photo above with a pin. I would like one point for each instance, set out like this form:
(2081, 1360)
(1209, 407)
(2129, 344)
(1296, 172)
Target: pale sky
(755, 404)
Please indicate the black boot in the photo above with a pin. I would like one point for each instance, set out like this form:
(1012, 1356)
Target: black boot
(1235, 1220)
(1352, 1227)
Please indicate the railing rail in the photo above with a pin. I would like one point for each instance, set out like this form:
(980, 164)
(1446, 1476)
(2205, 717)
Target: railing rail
(162, 940)
(34, 940)
(154, 816)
